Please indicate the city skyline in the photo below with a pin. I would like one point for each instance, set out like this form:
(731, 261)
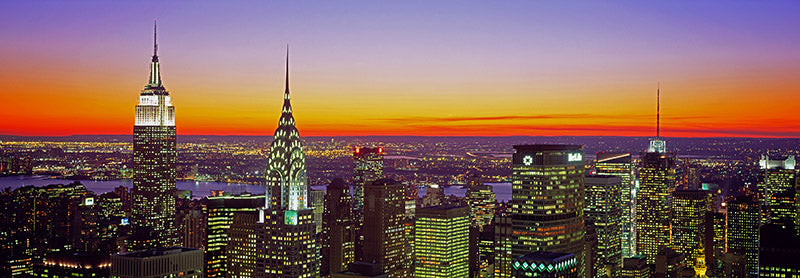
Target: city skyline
(435, 69)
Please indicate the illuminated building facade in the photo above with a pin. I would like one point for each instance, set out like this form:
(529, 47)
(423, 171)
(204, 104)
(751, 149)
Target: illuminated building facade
(289, 245)
(154, 154)
(743, 221)
(481, 200)
(220, 210)
(442, 242)
(317, 199)
(384, 226)
(69, 264)
(338, 234)
(503, 231)
(546, 265)
(783, 209)
(621, 165)
(604, 209)
(689, 222)
(778, 177)
(368, 167)
(653, 199)
(241, 254)
(548, 200)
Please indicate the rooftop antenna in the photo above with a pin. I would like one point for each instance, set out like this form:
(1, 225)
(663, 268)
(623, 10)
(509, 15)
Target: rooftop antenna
(658, 111)
(155, 36)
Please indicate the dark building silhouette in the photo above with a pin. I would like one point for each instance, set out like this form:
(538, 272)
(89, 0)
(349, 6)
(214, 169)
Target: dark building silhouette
(220, 212)
(384, 224)
(338, 233)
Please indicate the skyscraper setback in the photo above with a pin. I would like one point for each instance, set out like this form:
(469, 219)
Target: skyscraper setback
(153, 211)
(621, 165)
(289, 248)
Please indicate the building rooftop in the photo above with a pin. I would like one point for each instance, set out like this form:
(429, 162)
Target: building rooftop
(157, 252)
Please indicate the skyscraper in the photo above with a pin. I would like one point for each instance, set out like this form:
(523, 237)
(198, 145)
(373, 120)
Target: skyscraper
(603, 209)
(153, 211)
(338, 234)
(481, 201)
(368, 167)
(220, 211)
(778, 176)
(653, 199)
(689, 223)
(548, 200)
(621, 165)
(289, 245)
(743, 220)
(441, 244)
(384, 226)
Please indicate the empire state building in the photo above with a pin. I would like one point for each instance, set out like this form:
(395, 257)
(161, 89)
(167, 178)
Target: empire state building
(153, 211)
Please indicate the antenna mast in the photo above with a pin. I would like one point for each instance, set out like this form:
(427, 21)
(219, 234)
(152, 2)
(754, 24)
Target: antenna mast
(658, 111)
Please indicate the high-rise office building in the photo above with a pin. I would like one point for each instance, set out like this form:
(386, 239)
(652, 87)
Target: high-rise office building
(783, 209)
(621, 165)
(653, 200)
(548, 200)
(317, 199)
(779, 250)
(503, 231)
(338, 234)
(481, 201)
(154, 154)
(441, 242)
(778, 176)
(367, 168)
(242, 252)
(689, 222)
(192, 225)
(289, 245)
(384, 226)
(743, 221)
(604, 209)
(220, 210)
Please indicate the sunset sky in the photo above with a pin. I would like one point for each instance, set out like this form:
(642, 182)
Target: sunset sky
(453, 68)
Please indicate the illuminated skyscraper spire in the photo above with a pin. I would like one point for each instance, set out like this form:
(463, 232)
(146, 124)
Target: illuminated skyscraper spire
(658, 111)
(155, 73)
(154, 156)
(656, 144)
(286, 180)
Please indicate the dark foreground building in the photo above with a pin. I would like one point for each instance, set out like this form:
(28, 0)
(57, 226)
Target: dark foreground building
(169, 262)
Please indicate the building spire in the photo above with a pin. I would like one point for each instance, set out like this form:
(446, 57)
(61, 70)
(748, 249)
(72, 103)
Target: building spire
(287, 70)
(658, 111)
(155, 39)
(155, 72)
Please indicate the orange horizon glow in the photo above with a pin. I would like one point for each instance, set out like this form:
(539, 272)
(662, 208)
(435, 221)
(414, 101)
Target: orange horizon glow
(430, 69)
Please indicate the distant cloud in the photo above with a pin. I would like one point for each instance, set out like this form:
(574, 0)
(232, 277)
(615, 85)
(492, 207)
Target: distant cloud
(534, 117)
